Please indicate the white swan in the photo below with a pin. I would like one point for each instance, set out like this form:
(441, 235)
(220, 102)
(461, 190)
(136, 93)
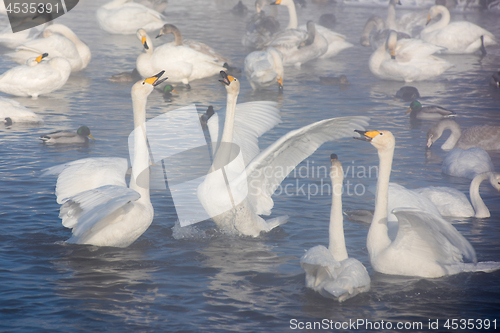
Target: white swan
(407, 60)
(375, 34)
(485, 136)
(37, 77)
(13, 112)
(183, 63)
(336, 42)
(125, 17)
(329, 271)
(258, 172)
(265, 68)
(13, 40)
(425, 244)
(96, 203)
(195, 45)
(58, 41)
(458, 37)
(467, 163)
(452, 202)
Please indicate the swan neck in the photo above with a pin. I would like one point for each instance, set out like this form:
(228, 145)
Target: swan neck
(452, 140)
(443, 21)
(480, 208)
(177, 37)
(140, 182)
(390, 21)
(336, 231)
(292, 23)
(378, 239)
(226, 151)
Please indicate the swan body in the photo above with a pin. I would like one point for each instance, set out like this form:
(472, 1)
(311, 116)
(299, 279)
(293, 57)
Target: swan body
(467, 163)
(96, 203)
(278, 160)
(36, 78)
(329, 271)
(430, 112)
(486, 137)
(82, 135)
(58, 41)
(336, 42)
(298, 46)
(425, 244)
(183, 63)
(409, 60)
(13, 112)
(197, 46)
(452, 202)
(13, 40)
(264, 68)
(125, 17)
(400, 196)
(457, 37)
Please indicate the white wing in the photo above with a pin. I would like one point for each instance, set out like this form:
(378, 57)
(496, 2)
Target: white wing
(86, 174)
(85, 210)
(251, 120)
(267, 170)
(429, 236)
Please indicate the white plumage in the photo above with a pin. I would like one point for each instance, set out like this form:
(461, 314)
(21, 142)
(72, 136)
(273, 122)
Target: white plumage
(125, 17)
(17, 113)
(264, 68)
(329, 271)
(467, 163)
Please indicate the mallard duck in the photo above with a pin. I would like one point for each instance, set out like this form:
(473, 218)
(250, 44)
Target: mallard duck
(82, 135)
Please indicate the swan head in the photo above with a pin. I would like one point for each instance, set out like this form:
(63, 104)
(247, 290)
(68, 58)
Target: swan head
(381, 140)
(435, 11)
(145, 87)
(143, 36)
(232, 84)
(336, 171)
(435, 132)
(84, 131)
(414, 106)
(35, 61)
(391, 43)
(168, 29)
(395, 2)
(494, 179)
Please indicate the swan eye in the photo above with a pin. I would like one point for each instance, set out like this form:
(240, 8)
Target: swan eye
(381, 133)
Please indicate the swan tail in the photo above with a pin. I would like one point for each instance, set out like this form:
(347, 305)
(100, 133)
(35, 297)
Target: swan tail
(273, 223)
(483, 266)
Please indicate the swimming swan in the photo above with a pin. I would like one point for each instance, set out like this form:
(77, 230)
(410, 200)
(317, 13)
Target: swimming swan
(198, 46)
(425, 245)
(58, 41)
(457, 37)
(125, 17)
(265, 68)
(467, 163)
(407, 60)
(261, 172)
(96, 203)
(13, 112)
(452, 202)
(37, 77)
(486, 137)
(329, 271)
(183, 63)
(336, 42)
(81, 135)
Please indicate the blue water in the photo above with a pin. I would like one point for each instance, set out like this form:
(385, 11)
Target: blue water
(197, 279)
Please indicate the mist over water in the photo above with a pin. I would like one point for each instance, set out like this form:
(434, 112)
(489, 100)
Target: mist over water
(199, 279)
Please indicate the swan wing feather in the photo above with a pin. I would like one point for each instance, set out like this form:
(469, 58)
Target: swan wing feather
(268, 169)
(428, 235)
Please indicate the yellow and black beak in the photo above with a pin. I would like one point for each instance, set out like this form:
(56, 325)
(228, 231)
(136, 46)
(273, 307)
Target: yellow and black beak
(144, 43)
(366, 135)
(428, 19)
(45, 55)
(393, 54)
(226, 79)
(155, 80)
(277, 2)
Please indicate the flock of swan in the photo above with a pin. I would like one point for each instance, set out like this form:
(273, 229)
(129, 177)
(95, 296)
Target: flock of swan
(407, 234)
